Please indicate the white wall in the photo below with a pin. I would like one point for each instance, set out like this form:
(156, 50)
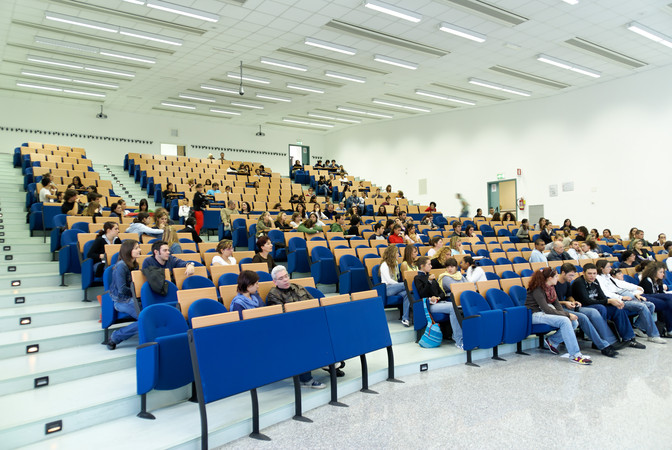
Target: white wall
(194, 130)
(612, 140)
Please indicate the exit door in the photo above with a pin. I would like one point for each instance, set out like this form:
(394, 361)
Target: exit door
(503, 195)
(298, 153)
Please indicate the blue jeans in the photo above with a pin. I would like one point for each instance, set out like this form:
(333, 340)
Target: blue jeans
(620, 318)
(399, 289)
(130, 330)
(595, 326)
(644, 319)
(304, 377)
(663, 303)
(448, 308)
(566, 333)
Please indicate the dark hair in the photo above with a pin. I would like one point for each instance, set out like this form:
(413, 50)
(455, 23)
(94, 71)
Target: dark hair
(261, 242)
(156, 246)
(125, 253)
(589, 266)
(378, 225)
(44, 181)
(69, 193)
(667, 245)
(625, 255)
(539, 241)
(354, 221)
(421, 261)
(583, 230)
(600, 265)
(435, 240)
(140, 217)
(199, 185)
(450, 262)
(246, 279)
(337, 216)
(539, 278)
(469, 260)
(190, 222)
(396, 227)
(107, 226)
(143, 202)
(432, 203)
(568, 268)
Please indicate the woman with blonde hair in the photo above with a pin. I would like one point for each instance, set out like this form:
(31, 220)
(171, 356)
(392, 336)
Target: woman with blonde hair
(389, 276)
(264, 224)
(439, 259)
(224, 254)
(170, 237)
(93, 210)
(408, 262)
(456, 246)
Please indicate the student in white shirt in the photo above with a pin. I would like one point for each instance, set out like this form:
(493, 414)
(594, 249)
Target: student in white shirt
(388, 275)
(224, 254)
(45, 194)
(474, 273)
(437, 244)
(537, 254)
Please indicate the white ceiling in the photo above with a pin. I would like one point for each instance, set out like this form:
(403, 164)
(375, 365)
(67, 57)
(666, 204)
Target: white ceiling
(249, 30)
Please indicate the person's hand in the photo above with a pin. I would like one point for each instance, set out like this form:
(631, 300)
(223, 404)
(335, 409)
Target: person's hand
(577, 304)
(102, 256)
(190, 269)
(615, 302)
(640, 298)
(433, 300)
(432, 276)
(626, 298)
(573, 317)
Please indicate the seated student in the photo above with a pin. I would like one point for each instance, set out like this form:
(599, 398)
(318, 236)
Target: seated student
(116, 210)
(354, 226)
(436, 242)
(412, 237)
(170, 237)
(656, 292)
(574, 250)
(247, 296)
(141, 226)
(523, 233)
(143, 206)
(378, 232)
(440, 257)
(627, 260)
(479, 213)
(162, 259)
(108, 235)
(308, 226)
(190, 227)
(546, 309)
(547, 233)
(639, 234)
(428, 219)
(318, 223)
(431, 208)
(377, 194)
(594, 235)
(224, 254)
(161, 218)
(281, 221)
(662, 239)
(264, 224)
(581, 233)
(473, 274)
(396, 237)
(668, 260)
(214, 190)
(537, 254)
(169, 192)
(558, 252)
(387, 201)
(46, 194)
(641, 254)
(382, 212)
(317, 210)
(120, 290)
(439, 302)
(301, 209)
(70, 205)
(389, 276)
(77, 182)
(588, 248)
(568, 224)
(590, 320)
(338, 225)
(496, 217)
(586, 290)
(355, 201)
(92, 210)
(607, 236)
(245, 209)
(263, 255)
(456, 246)
(457, 228)
(450, 276)
(225, 214)
(408, 260)
(631, 296)
(295, 220)
(329, 211)
(508, 217)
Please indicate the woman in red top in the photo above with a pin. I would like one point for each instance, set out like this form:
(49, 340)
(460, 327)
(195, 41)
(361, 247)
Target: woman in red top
(431, 207)
(396, 237)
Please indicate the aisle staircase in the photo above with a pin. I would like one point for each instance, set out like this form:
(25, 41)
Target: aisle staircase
(123, 184)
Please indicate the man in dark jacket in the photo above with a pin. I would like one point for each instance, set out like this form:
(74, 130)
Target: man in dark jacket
(558, 253)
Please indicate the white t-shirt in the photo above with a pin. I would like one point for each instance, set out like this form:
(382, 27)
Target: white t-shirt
(219, 261)
(476, 274)
(431, 252)
(43, 195)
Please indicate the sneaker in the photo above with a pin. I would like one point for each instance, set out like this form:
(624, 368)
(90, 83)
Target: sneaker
(111, 345)
(313, 384)
(459, 346)
(550, 347)
(406, 323)
(634, 344)
(657, 340)
(609, 351)
(580, 359)
(638, 332)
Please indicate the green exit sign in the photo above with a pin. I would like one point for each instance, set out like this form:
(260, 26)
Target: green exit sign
(500, 176)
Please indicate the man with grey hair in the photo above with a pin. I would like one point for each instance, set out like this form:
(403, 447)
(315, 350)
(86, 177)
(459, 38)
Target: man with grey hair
(558, 252)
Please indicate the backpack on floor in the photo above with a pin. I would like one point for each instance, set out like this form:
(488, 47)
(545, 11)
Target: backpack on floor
(432, 336)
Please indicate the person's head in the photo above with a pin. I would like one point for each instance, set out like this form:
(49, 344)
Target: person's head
(296, 217)
(387, 199)
(396, 229)
(92, 189)
(309, 223)
(568, 270)
(628, 257)
(265, 217)
(199, 187)
(301, 209)
(575, 245)
(594, 233)
(606, 233)
(639, 234)
(584, 246)
(436, 242)
(549, 226)
(169, 186)
(542, 278)
(388, 188)
(264, 244)
(76, 181)
(496, 217)
(92, 196)
(469, 232)
(567, 223)
(280, 277)
(667, 246)
(245, 207)
(539, 244)
(432, 205)
(590, 272)
(467, 262)
(161, 251)
(312, 216)
(161, 218)
(479, 212)
(129, 253)
(190, 222)
(451, 265)
(410, 253)
(637, 244)
(92, 208)
(378, 229)
(228, 189)
(143, 205)
(400, 194)
(248, 282)
(282, 217)
(390, 257)
(558, 247)
(381, 210)
(603, 267)
(215, 186)
(111, 230)
(424, 264)
(225, 248)
(330, 207)
(45, 181)
(141, 217)
(455, 242)
(316, 207)
(457, 226)
(170, 235)
(617, 273)
(410, 229)
(396, 210)
(70, 196)
(354, 221)
(402, 215)
(542, 223)
(631, 233)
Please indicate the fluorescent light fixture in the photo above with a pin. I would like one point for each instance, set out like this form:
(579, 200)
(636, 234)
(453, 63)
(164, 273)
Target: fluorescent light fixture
(80, 22)
(89, 93)
(150, 36)
(392, 10)
(95, 83)
(568, 65)
(400, 105)
(361, 111)
(340, 119)
(448, 98)
(330, 46)
(197, 97)
(395, 62)
(136, 2)
(38, 86)
(66, 44)
(274, 97)
(248, 78)
(129, 56)
(303, 122)
(344, 76)
(182, 10)
(499, 87)
(650, 34)
(247, 105)
(285, 64)
(571, 2)
(178, 105)
(301, 87)
(55, 62)
(44, 75)
(224, 111)
(121, 73)
(462, 32)
(210, 87)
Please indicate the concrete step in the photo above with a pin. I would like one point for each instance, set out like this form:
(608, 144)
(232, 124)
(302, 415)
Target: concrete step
(27, 280)
(47, 314)
(34, 256)
(43, 295)
(43, 264)
(33, 245)
(60, 366)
